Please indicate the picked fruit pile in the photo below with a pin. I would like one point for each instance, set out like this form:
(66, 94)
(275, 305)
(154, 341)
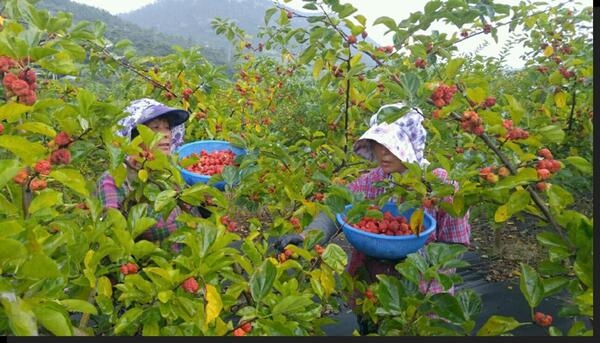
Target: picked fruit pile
(388, 225)
(209, 163)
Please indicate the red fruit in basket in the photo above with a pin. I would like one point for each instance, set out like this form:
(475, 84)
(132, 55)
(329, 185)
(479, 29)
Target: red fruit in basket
(210, 163)
(389, 225)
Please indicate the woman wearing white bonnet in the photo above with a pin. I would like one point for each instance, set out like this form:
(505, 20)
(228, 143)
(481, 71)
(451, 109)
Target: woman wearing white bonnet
(391, 145)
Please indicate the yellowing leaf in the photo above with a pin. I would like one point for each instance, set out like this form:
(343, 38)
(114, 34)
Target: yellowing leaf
(416, 221)
(501, 214)
(560, 99)
(143, 175)
(548, 51)
(257, 128)
(213, 303)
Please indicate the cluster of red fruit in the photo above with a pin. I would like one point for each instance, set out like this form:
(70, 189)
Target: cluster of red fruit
(546, 167)
(488, 102)
(471, 122)
(443, 94)
(389, 225)
(128, 268)
(243, 329)
(60, 154)
(420, 63)
(19, 82)
(512, 132)
(231, 225)
(190, 285)
(542, 319)
(388, 49)
(210, 163)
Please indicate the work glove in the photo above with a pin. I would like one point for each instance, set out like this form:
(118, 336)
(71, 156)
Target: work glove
(284, 240)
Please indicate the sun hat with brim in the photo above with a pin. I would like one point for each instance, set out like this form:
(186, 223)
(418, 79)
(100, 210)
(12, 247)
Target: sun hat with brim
(405, 138)
(142, 111)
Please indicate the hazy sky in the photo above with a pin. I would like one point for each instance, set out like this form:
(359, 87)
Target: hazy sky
(373, 9)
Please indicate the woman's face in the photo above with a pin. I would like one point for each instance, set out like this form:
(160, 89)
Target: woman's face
(386, 160)
(161, 125)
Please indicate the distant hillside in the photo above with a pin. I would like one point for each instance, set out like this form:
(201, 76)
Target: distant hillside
(192, 18)
(147, 41)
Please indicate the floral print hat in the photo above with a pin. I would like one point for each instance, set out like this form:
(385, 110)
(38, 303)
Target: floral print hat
(405, 137)
(144, 110)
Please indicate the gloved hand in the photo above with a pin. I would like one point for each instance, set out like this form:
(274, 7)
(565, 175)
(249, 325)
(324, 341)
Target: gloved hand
(284, 240)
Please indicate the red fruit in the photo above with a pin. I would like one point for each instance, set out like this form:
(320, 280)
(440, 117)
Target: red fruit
(541, 186)
(186, 93)
(239, 332)
(247, 326)
(319, 249)
(295, 221)
(490, 101)
(37, 184)
(290, 14)
(132, 268)
(124, 269)
(190, 285)
(1, 128)
(503, 171)
(427, 202)
(487, 28)
(60, 156)
(545, 153)
(364, 34)
(43, 167)
(21, 177)
(542, 319)
(420, 63)
(491, 178)
(543, 174)
(351, 39)
(369, 295)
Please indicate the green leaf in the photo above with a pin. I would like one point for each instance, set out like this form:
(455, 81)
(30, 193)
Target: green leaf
(37, 127)
(559, 197)
(164, 198)
(45, 199)
(476, 94)
(262, 279)
(531, 286)
(8, 169)
(552, 133)
(523, 177)
(11, 250)
(578, 162)
(53, 319)
(39, 267)
(335, 257)
(21, 318)
(77, 305)
(515, 109)
(143, 248)
(453, 66)
(60, 63)
(29, 152)
(497, 325)
(411, 83)
(518, 201)
(387, 21)
(12, 111)
(129, 320)
(291, 304)
(72, 179)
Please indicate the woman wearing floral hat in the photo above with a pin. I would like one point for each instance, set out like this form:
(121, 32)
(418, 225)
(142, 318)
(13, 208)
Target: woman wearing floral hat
(161, 119)
(391, 145)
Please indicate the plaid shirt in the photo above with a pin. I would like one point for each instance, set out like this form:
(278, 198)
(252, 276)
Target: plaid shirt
(449, 229)
(112, 196)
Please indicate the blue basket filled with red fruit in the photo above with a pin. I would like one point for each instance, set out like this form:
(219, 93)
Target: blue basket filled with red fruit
(199, 161)
(390, 237)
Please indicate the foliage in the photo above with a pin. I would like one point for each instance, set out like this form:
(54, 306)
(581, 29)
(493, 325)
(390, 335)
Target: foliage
(69, 268)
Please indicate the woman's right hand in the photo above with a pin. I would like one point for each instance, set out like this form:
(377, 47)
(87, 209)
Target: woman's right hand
(283, 241)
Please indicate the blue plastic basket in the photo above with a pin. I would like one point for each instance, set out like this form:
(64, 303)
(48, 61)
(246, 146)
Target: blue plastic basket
(208, 146)
(386, 246)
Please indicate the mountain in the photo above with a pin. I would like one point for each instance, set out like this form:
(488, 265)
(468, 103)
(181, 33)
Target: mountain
(192, 18)
(147, 41)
